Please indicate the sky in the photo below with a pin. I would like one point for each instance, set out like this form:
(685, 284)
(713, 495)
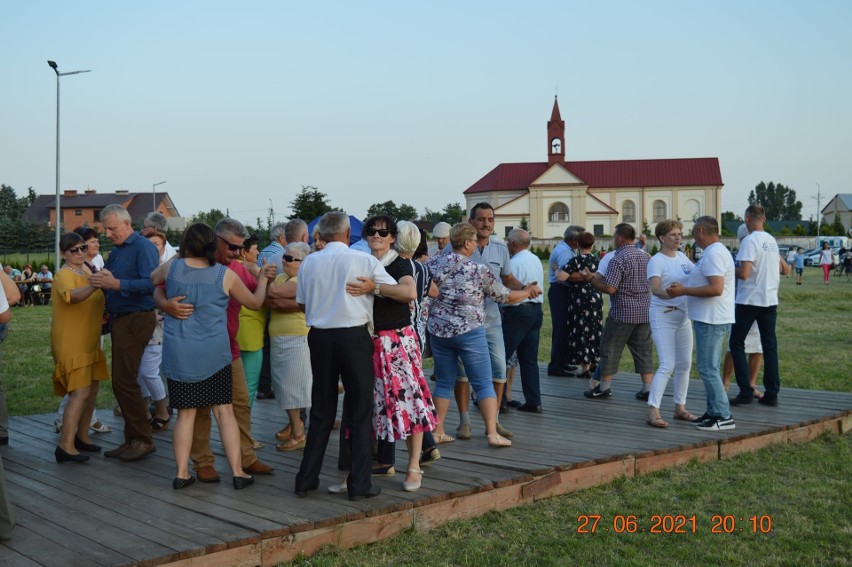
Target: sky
(237, 105)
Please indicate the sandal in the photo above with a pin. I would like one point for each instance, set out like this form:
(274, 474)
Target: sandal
(685, 416)
(444, 438)
(158, 424)
(496, 440)
(97, 427)
(415, 485)
(293, 443)
(656, 421)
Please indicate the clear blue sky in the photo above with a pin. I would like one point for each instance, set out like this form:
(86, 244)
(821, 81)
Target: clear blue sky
(239, 103)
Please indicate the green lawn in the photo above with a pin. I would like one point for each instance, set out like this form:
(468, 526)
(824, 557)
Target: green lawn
(804, 490)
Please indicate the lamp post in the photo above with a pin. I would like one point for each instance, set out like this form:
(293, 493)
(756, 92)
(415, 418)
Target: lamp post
(154, 194)
(58, 220)
(818, 199)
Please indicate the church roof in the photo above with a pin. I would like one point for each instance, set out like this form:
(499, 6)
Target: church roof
(684, 172)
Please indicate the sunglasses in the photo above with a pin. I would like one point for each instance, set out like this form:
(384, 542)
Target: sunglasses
(288, 258)
(383, 232)
(231, 247)
(79, 249)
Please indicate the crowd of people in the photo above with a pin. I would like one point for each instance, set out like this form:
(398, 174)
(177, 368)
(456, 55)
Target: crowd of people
(224, 323)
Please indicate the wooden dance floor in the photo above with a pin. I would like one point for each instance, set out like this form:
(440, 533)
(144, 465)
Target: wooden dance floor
(107, 512)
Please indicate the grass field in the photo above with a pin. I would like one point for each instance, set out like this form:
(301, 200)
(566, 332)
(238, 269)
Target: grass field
(804, 490)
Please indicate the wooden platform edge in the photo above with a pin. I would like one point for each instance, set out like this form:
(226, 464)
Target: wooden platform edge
(284, 548)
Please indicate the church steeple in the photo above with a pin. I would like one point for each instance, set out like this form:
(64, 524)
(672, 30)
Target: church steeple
(555, 136)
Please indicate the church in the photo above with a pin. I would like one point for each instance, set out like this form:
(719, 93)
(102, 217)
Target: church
(596, 195)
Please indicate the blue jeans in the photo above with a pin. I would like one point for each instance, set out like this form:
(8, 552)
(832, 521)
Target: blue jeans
(709, 347)
(765, 317)
(521, 327)
(496, 352)
(472, 349)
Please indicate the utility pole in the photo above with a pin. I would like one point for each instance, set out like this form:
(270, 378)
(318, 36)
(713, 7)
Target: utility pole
(818, 199)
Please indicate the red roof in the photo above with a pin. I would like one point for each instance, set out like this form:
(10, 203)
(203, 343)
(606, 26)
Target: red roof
(686, 172)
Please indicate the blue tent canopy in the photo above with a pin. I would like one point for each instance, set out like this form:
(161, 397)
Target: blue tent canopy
(355, 233)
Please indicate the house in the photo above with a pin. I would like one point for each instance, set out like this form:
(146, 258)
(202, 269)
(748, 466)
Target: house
(839, 207)
(83, 209)
(596, 194)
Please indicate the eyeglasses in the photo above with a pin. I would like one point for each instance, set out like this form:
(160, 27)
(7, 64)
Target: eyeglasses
(383, 232)
(288, 258)
(79, 249)
(231, 247)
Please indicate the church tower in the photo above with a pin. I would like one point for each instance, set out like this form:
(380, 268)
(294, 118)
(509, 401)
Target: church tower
(555, 136)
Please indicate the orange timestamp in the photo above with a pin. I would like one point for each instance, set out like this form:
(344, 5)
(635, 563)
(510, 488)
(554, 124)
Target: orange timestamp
(673, 524)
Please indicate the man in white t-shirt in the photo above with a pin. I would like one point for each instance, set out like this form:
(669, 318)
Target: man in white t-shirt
(757, 300)
(710, 291)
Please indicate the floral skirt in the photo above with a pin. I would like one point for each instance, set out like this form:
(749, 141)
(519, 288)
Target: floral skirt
(403, 402)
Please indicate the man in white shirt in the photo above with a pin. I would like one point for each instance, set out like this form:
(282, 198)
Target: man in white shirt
(710, 291)
(522, 321)
(335, 288)
(757, 300)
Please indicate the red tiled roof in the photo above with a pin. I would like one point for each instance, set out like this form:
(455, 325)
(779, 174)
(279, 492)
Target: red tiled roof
(686, 172)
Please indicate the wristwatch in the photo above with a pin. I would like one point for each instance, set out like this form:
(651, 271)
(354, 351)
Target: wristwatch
(378, 290)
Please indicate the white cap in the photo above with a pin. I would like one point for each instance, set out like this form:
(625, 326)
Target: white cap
(441, 230)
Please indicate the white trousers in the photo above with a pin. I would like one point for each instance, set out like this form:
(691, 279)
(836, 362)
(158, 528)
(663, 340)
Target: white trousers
(672, 336)
(149, 373)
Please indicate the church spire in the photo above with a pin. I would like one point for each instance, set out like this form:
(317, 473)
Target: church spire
(555, 136)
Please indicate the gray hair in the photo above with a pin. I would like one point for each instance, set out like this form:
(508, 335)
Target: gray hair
(294, 230)
(297, 250)
(117, 211)
(332, 224)
(407, 238)
(277, 231)
(158, 220)
(231, 226)
(572, 232)
(520, 237)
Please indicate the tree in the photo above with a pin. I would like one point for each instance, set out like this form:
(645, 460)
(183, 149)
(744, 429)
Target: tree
(209, 218)
(453, 213)
(524, 224)
(401, 213)
(728, 216)
(309, 204)
(779, 201)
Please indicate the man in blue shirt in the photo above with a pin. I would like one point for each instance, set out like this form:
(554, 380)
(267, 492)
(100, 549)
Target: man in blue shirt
(126, 282)
(557, 297)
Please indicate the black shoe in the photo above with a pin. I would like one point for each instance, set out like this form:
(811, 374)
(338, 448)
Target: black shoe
(767, 401)
(643, 395)
(717, 424)
(88, 447)
(304, 491)
(503, 410)
(514, 404)
(241, 482)
(560, 372)
(597, 394)
(179, 483)
(529, 408)
(701, 419)
(63, 457)
(4, 440)
(741, 400)
(374, 491)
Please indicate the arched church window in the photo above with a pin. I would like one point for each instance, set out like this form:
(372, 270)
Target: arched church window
(628, 211)
(659, 211)
(558, 212)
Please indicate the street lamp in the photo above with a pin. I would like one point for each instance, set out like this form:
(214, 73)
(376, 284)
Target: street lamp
(55, 68)
(154, 194)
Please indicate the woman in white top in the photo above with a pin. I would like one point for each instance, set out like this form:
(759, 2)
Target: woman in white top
(826, 260)
(670, 326)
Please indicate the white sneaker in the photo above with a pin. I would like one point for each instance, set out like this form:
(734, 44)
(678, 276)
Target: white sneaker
(717, 424)
(338, 488)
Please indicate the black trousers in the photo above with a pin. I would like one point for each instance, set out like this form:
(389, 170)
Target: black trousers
(346, 354)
